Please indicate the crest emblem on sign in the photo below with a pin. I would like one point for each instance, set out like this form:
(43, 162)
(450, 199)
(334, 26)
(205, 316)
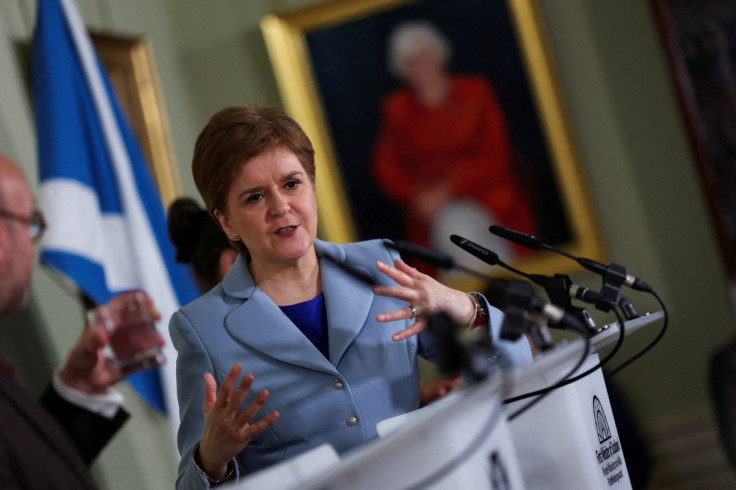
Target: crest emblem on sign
(601, 422)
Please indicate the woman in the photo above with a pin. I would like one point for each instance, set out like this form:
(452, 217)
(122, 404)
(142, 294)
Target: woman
(322, 364)
(443, 152)
(201, 245)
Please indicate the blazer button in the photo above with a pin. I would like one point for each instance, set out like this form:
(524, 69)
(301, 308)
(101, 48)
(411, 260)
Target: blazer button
(352, 421)
(338, 385)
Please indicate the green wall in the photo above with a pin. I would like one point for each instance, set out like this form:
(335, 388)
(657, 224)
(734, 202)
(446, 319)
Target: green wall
(646, 191)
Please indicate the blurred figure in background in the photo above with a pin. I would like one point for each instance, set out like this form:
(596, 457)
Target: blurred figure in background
(443, 152)
(200, 243)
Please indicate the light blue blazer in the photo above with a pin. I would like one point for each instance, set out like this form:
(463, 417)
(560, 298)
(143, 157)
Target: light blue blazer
(367, 378)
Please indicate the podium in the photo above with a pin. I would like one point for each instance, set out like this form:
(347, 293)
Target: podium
(290, 474)
(461, 441)
(569, 439)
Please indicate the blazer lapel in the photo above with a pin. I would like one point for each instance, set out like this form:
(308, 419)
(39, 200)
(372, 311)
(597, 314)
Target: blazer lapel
(260, 324)
(347, 299)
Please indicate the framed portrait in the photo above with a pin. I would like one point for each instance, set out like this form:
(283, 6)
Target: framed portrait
(393, 162)
(132, 70)
(699, 40)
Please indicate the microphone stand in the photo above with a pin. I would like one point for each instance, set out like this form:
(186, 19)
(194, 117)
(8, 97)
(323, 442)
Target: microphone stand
(519, 299)
(614, 276)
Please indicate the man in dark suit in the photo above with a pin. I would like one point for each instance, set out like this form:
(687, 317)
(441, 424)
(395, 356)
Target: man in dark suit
(50, 443)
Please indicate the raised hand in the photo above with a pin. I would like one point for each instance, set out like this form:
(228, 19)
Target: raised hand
(227, 429)
(425, 295)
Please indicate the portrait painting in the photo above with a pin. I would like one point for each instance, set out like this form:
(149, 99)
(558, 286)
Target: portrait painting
(700, 41)
(432, 118)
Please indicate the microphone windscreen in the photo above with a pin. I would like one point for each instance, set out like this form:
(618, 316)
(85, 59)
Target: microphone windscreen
(487, 256)
(528, 241)
(437, 259)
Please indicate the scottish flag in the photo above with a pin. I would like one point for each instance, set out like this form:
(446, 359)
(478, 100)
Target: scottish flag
(107, 225)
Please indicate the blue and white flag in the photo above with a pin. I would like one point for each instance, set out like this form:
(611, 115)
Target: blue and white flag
(107, 225)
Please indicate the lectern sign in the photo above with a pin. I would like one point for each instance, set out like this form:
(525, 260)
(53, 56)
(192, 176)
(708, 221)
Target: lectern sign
(569, 440)
(609, 454)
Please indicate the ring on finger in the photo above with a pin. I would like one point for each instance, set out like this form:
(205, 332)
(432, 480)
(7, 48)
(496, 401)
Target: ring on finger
(413, 316)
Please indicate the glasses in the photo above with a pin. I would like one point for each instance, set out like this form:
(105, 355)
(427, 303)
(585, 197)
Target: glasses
(36, 223)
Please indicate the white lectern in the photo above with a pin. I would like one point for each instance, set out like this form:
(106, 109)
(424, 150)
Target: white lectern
(569, 439)
(461, 442)
(566, 441)
(291, 474)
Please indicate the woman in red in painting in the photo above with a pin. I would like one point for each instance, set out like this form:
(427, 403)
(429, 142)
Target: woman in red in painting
(443, 152)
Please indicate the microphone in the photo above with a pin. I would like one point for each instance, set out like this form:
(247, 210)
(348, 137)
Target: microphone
(437, 259)
(442, 261)
(487, 256)
(614, 276)
(518, 293)
(615, 272)
(552, 285)
(519, 238)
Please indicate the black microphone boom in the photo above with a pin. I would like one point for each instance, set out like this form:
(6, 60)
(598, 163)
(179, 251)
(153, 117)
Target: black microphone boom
(534, 243)
(527, 241)
(437, 259)
(476, 250)
(555, 314)
(441, 261)
(551, 284)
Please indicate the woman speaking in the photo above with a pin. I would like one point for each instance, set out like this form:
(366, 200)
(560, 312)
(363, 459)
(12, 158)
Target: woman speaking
(327, 356)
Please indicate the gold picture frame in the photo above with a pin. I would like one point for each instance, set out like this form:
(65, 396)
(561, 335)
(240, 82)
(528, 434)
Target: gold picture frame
(292, 42)
(132, 71)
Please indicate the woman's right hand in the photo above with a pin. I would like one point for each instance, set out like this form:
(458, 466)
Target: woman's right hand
(227, 430)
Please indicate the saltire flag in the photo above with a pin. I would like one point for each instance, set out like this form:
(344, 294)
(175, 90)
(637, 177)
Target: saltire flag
(107, 224)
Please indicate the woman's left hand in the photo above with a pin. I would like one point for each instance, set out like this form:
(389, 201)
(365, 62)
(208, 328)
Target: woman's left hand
(425, 296)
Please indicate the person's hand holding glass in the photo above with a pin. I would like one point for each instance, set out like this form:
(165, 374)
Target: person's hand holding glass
(119, 339)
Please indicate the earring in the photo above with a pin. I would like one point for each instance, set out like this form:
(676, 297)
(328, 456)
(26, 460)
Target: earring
(234, 237)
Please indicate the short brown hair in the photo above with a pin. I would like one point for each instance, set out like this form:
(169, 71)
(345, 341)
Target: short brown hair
(235, 135)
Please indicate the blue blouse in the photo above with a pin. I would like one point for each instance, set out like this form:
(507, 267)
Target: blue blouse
(311, 319)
